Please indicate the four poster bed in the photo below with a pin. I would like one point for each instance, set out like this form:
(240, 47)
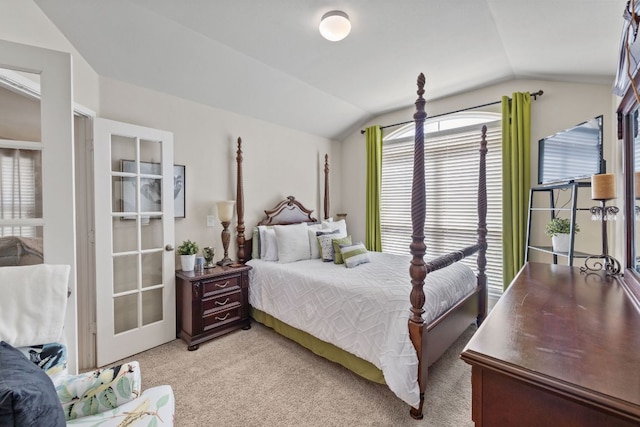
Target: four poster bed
(358, 316)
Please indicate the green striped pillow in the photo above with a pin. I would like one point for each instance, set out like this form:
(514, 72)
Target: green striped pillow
(354, 255)
(337, 245)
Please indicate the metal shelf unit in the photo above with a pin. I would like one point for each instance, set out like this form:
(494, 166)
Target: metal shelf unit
(573, 187)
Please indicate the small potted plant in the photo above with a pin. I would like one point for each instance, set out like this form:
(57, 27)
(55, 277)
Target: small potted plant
(187, 251)
(559, 230)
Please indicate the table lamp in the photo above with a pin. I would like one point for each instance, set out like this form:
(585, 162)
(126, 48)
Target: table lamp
(225, 213)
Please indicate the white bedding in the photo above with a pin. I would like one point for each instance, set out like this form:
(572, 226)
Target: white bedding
(363, 310)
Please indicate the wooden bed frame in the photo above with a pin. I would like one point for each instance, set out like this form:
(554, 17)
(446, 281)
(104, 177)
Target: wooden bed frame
(430, 340)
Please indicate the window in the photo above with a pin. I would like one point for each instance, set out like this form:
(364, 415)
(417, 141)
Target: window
(19, 184)
(451, 179)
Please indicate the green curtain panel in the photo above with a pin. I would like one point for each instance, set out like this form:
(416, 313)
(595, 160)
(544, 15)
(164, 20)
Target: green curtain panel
(516, 180)
(374, 182)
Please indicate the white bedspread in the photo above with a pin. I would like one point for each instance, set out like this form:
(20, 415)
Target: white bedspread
(363, 310)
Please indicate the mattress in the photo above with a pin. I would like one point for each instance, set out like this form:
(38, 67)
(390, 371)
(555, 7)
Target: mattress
(362, 310)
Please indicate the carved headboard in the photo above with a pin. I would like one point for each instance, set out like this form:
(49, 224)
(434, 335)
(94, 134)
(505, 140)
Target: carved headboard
(288, 211)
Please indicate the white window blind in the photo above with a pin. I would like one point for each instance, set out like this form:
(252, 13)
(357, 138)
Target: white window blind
(19, 173)
(451, 180)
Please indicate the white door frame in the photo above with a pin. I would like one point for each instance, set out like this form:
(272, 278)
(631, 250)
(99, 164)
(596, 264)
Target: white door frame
(56, 103)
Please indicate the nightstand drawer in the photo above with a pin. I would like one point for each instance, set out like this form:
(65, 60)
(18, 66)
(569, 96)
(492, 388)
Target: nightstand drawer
(222, 317)
(213, 286)
(221, 302)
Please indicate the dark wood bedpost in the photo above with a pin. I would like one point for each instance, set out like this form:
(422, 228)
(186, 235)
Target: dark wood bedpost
(418, 270)
(482, 228)
(326, 186)
(240, 205)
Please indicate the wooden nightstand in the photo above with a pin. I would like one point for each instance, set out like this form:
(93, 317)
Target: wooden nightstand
(211, 303)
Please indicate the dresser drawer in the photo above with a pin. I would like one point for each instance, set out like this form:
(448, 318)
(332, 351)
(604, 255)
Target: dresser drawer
(213, 286)
(222, 317)
(221, 301)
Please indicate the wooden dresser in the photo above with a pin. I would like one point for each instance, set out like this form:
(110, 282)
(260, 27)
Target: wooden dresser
(560, 348)
(212, 303)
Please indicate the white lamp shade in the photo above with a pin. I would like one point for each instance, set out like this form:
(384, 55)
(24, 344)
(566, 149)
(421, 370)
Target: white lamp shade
(335, 25)
(225, 210)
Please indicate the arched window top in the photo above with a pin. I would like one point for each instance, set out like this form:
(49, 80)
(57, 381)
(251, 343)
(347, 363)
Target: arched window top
(448, 122)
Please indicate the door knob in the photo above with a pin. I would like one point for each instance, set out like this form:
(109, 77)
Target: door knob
(168, 248)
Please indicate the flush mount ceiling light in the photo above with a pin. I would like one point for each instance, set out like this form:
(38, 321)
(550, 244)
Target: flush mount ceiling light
(335, 25)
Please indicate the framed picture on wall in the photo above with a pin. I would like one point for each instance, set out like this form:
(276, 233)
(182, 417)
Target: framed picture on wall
(151, 189)
(178, 191)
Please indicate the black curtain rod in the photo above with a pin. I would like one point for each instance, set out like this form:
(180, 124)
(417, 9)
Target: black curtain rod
(534, 94)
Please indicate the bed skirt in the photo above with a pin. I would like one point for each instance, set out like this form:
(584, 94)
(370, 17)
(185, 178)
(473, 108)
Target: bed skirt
(321, 348)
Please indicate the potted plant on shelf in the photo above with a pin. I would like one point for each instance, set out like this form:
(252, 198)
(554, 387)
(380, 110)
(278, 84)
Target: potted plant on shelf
(559, 230)
(187, 251)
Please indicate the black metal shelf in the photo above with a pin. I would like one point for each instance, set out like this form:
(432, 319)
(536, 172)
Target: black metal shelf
(552, 209)
(549, 250)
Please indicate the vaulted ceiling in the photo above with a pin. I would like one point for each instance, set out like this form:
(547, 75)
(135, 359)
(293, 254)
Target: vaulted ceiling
(267, 60)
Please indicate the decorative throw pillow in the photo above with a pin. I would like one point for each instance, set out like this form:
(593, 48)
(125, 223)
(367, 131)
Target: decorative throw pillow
(51, 358)
(337, 253)
(27, 395)
(293, 242)
(354, 255)
(100, 390)
(326, 245)
(268, 243)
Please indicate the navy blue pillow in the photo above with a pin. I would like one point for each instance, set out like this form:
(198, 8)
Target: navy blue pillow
(27, 394)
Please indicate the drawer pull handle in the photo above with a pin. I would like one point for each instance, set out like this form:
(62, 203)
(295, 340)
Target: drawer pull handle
(222, 303)
(223, 318)
(222, 286)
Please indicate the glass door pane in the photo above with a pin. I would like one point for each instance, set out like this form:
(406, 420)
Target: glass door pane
(137, 231)
(21, 220)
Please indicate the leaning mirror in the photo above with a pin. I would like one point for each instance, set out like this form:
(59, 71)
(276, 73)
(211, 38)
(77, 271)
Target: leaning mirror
(635, 191)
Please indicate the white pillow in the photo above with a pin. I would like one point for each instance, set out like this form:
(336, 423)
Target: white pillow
(313, 240)
(268, 243)
(293, 242)
(336, 225)
(255, 243)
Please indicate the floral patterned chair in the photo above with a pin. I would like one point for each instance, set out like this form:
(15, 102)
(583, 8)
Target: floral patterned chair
(35, 388)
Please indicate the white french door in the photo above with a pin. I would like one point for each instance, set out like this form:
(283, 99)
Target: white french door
(134, 233)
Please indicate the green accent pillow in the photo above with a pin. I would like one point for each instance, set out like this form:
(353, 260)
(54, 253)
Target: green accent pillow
(354, 255)
(337, 254)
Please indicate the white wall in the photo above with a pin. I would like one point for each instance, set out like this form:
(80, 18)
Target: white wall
(562, 105)
(22, 21)
(278, 161)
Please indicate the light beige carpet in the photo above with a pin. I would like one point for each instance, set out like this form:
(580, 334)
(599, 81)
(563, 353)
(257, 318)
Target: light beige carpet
(258, 378)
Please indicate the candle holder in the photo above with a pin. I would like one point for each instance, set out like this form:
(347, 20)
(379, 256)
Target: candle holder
(609, 265)
(603, 189)
(225, 213)
(604, 213)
